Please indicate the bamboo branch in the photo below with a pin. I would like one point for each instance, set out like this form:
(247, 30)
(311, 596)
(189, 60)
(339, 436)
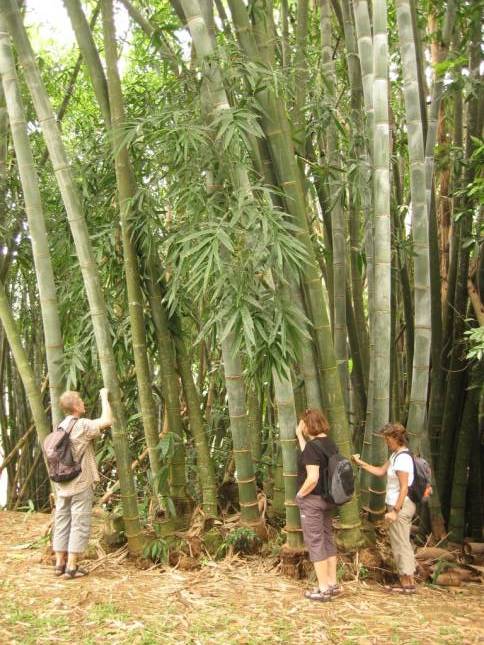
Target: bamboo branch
(163, 47)
(27, 479)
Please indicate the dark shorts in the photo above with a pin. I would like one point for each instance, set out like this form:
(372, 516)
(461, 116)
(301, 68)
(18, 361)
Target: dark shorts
(316, 522)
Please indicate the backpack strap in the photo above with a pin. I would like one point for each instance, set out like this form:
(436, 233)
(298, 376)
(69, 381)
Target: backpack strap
(402, 452)
(405, 452)
(71, 425)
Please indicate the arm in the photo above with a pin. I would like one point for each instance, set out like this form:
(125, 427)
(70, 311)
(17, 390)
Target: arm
(106, 418)
(310, 482)
(403, 480)
(300, 435)
(379, 471)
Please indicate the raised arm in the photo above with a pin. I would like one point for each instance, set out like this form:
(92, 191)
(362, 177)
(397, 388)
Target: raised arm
(300, 435)
(106, 418)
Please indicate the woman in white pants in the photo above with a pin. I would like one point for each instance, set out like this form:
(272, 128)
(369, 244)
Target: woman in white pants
(400, 509)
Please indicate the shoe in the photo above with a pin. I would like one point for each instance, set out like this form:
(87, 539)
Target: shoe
(75, 573)
(319, 596)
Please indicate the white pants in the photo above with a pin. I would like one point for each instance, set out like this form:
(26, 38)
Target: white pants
(72, 524)
(400, 539)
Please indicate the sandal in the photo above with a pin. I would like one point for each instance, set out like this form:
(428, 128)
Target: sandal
(336, 590)
(59, 570)
(75, 573)
(319, 596)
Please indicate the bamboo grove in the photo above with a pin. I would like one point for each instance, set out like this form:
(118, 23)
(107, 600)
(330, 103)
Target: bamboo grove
(229, 214)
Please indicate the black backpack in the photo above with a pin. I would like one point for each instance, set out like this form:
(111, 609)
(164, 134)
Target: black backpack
(338, 478)
(61, 465)
(421, 487)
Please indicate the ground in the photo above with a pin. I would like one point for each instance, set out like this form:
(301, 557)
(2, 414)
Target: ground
(235, 601)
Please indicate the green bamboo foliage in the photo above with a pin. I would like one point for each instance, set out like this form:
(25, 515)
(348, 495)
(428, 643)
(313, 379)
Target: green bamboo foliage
(9, 12)
(160, 42)
(382, 245)
(420, 228)
(36, 221)
(287, 423)
(276, 128)
(232, 364)
(126, 186)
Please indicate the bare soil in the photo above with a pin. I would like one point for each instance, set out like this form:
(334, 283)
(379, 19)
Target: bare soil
(235, 601)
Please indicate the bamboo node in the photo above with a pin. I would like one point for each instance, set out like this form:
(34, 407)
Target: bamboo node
(246, 481)
(350, 526)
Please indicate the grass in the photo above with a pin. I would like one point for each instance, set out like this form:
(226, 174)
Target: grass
(35, 627)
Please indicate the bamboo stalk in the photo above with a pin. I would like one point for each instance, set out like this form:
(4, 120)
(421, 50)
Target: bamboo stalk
(382, 248)
(287, 426)
(126, 188)
(420, 228)
(83, 247)
(36, 221)
(89, 52)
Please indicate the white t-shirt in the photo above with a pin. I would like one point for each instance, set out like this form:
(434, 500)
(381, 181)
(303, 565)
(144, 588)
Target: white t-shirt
(398, 461)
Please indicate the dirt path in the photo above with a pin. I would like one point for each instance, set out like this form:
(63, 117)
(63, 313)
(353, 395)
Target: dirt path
(237, 602)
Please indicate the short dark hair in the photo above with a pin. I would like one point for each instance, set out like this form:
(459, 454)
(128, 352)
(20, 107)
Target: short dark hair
(395, 431)
(315, 422)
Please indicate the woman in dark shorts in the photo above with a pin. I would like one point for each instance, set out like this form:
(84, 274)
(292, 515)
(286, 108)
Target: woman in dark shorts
(316, 516)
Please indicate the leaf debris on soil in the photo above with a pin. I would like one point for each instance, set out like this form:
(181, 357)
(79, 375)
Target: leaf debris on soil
(236, 601)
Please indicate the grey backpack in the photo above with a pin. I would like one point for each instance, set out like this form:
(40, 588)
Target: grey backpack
(339, 479)
(61, 465)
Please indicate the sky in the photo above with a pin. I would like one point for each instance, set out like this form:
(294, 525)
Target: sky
(53, 23)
